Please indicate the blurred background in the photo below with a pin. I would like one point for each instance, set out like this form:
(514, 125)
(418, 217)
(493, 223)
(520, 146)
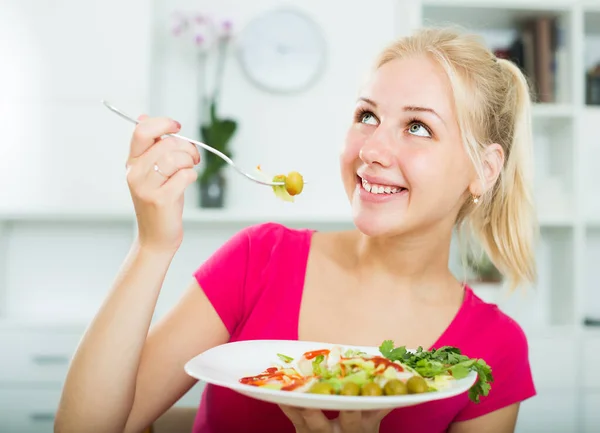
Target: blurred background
(286, 82)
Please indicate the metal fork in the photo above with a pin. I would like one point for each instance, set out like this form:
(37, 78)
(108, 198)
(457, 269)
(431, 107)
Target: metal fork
(199, 144)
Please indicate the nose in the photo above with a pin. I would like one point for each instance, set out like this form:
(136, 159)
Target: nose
(377, 149)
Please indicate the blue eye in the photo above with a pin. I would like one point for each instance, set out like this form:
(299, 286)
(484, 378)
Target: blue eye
(419, 130)
(368, 118)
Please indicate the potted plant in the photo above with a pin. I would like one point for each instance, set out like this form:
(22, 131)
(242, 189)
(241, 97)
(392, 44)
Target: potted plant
(211, 42)
(216, 132)
(486, 280)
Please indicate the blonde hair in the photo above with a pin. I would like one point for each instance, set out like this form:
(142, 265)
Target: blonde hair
(493, 105)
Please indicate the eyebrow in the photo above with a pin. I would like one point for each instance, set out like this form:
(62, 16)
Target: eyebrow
(413, 108)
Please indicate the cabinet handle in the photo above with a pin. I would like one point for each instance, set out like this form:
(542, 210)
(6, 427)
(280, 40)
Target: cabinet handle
(42, 417)
(50, 359)
(591, 322)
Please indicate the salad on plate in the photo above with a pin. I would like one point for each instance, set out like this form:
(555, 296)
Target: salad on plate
(396, 371)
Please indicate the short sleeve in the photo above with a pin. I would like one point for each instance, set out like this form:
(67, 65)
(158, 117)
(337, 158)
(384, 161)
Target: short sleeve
(222, 277)
(511, 370)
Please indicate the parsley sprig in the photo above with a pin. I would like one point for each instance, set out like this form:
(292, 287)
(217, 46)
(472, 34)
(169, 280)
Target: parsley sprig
(439, 361)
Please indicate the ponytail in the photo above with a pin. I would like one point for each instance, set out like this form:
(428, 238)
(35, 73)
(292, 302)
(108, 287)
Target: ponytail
(493, 105)
(505, 223)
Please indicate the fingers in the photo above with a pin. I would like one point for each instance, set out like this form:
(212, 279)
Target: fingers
(162, 161)
(295, 416)
(351, 421)
(148, 131)
(308, 420)
(168, 165)
(179, 182)
(375, 415)
(316, 421)
(166, 146)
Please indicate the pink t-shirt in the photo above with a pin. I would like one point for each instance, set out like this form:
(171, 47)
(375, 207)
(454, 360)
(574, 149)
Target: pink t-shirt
(255, 283)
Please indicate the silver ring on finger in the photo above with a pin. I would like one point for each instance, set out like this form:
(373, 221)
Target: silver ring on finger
(157, 169)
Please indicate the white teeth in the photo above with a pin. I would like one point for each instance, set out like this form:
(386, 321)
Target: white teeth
(380, 189)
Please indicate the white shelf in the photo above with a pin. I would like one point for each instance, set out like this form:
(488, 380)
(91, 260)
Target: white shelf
(52, 325)
(67, 215)
(553, 111)
(200, 216)
(488, 15)
(249, 217)
(220, 216)
(499, 4)
(565, 152)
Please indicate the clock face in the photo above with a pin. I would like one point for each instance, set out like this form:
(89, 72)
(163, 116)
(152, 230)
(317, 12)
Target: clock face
(282, 51)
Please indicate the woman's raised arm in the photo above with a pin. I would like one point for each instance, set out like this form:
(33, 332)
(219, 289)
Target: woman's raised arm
(122, 378)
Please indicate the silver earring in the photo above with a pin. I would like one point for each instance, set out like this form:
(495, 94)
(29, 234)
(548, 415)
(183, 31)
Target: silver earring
(475, 199)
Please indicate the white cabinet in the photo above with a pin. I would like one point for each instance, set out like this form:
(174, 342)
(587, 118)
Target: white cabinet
(33, 366)
(591, 356)
(61, 148)
(591, 412)
(28, 410)
(556, 390)
(590, 398)
(546, 372)
(549, 412)
(37, 356)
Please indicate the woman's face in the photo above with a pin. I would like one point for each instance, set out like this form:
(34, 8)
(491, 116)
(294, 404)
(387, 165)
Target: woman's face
(403, 165)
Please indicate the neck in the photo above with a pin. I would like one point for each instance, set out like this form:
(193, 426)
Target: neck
(412, 260)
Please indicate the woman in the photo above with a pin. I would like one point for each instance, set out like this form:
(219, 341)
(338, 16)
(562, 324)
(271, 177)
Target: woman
(440, 137)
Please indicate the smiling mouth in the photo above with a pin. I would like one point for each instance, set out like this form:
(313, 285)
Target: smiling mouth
(375, 188)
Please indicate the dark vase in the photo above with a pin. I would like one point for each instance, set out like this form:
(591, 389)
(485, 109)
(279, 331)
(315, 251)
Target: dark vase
(212, 191)
(592, 96)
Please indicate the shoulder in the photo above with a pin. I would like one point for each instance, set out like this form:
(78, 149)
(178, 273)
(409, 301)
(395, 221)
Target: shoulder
(498, 339)
(273, 231)
(274, 238)
(235, 276)
(489, 333)
(496, 331)
(269, 251)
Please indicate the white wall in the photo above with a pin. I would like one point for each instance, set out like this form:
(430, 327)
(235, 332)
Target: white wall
(281, 132)
(63, 151)
(60, 147)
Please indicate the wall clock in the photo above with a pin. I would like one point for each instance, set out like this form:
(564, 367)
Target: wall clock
(282, 51)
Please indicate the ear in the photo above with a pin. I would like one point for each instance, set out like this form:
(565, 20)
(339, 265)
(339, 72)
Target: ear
(493, 161)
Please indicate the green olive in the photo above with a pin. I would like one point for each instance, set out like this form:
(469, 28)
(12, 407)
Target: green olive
(294, 183)
(395, 387)
(350, 388)
(371, 389)
(322, 388)
(416, 385)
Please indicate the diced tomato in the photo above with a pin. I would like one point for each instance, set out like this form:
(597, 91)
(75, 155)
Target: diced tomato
(315, 353)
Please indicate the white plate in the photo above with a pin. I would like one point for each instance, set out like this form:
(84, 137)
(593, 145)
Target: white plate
(225, 365)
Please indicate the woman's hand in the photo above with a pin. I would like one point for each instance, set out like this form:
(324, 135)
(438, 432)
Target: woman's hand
(158, 172)
(314, 421)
